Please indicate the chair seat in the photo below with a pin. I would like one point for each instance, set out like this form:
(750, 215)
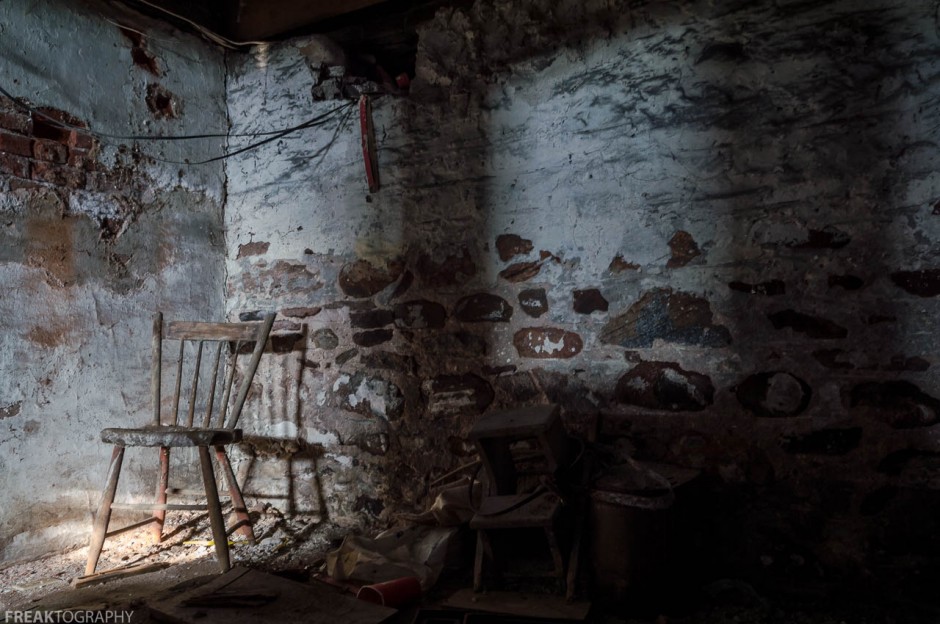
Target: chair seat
(171, 436)
(521, 513)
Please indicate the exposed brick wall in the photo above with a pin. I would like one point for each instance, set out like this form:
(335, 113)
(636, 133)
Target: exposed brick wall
(34, 150)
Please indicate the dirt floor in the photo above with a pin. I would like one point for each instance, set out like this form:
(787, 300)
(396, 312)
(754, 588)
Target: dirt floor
(296, 543)
(294, 547)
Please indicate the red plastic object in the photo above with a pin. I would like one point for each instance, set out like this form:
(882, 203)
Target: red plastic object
(395, 593)
(368, 143)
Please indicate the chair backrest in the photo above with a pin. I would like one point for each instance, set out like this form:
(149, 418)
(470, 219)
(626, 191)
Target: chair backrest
(218, 397)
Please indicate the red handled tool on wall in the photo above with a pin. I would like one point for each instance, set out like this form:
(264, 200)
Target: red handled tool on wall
(368, 143)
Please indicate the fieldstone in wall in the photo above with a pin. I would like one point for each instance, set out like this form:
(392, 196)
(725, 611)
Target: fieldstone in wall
(846, 282)
(619, 265)
(769, 288)
(901, 362)
(836, 441)
(518, 388)
(533, 302)
(254, 248)
(325, 338)
(420, 314)
(363, 279)
(812, 326)
(389, 360)
(452, 395)
(458, 344)
(830, 358)
(511, 245)
(301, 312)
(449, 270)
(372, 337)
(547, 342)
(925, 283)
(287, 341)
(588, 301)
(573, 393)
(368, 395)
(829, 237)
(901, 404)
(898, 461)
(774, 394)
(676, 317)
(371, 319)
(282, 278)
(346, 356)
(483, 307)
(665, 386)
(521, 271)
(407, 279)
(684, 249)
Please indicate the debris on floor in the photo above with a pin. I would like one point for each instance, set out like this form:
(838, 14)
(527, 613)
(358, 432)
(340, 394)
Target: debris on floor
(244, 595)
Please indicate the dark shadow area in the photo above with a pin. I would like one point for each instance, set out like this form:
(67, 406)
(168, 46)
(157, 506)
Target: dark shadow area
(764, 344)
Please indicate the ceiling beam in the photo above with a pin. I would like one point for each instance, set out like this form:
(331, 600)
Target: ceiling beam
(263, 19)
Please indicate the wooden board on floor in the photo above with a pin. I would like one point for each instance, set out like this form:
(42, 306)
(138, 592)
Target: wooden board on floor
(291, 602)
(546, 606)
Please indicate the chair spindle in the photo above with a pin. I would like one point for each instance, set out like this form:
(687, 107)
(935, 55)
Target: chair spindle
(215, 377)
(179, 381)
(195, 387)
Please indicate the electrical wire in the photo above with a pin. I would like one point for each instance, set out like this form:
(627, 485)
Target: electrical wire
(213, 36)
(150, 137)
(272, 135)
(277, 136)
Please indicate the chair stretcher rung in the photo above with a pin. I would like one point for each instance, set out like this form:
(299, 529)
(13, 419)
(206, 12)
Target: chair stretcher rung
(155, 506)
(182, 492)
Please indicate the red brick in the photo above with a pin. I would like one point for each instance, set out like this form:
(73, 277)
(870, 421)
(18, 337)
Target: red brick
(99, 182)
(44, 149)
(80, 140)
(26, 185)
(14, 165)
(62, 116)
(59, 175)
(16, 122)
(82, 159)
(15, 144)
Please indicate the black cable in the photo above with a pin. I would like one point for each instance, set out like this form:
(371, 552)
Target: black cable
(185, 137)
(277, 136)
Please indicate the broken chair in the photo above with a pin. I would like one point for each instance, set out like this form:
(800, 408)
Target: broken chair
(503, 506)
(215, 429)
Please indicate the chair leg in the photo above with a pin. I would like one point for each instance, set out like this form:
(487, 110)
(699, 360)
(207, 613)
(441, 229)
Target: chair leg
(478, 564)
(103, 517)
(557, 558)
(159, 515)
(243, 521)
(485, 553)
(215, 509)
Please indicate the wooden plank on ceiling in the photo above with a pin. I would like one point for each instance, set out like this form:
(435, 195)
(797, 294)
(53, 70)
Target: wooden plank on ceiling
(260, 19)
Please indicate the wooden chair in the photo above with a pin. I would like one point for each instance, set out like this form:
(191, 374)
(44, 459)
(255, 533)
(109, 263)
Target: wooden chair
(502, 507)
(191, 431)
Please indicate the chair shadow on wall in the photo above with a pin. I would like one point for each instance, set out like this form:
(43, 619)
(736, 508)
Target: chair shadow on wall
(278, 470)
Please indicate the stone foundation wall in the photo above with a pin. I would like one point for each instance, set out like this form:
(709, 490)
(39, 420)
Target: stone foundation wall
(712, 223)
